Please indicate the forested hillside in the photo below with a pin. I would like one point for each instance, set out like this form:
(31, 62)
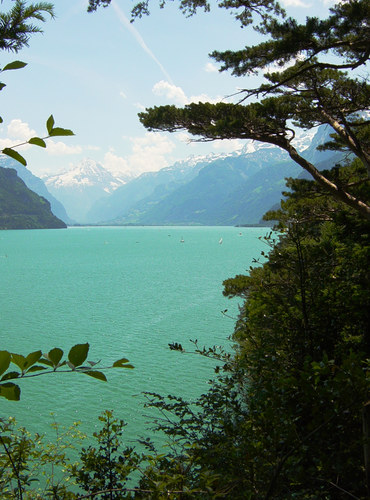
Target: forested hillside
(21, 208)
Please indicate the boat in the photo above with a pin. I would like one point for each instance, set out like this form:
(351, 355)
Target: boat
(220, 241)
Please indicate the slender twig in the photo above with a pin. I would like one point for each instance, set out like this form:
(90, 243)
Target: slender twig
(20, 490)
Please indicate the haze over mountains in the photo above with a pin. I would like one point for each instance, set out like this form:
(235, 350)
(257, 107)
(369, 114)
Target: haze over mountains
(218, 189)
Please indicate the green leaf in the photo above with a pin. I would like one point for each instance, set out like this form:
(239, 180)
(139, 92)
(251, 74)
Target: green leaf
(14, 65)
(46, 362)
(121, 363)
(16, 156)
(55, 355)
(36, 368)
(50, 124)
(18, 360)
(57, 131)
(10, 391)
(2, 85)
(10, 375)
(96, 374)
(78, 354)
(32, 358)
(37, 141)
(5, 358)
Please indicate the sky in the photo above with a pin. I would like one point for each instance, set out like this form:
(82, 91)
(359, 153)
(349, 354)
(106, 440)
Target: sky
(95, 72)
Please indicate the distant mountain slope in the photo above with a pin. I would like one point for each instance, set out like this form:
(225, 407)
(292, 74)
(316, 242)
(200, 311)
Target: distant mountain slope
(37, 185)
(81, 186)
(237, 189)
(151, 186)
(230, 191)
(21, 208)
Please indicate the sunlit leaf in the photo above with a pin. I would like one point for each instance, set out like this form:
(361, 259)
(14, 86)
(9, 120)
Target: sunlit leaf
(37, 141)
(14, 65)
(57, 131)
(10, 391)
(78, 354)
(15, 155)
(18, 360)
(32, 358)
(96, 374)
(5, 358)
(46, 362)
(36, 368)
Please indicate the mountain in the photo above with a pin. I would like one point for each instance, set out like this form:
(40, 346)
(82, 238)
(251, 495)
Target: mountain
(21, 208)
(228, 189)
(36, 185)
(81, 186)
(150, 186)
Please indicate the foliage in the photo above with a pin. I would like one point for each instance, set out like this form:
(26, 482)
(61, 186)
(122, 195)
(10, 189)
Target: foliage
(106, 468)
(35, 364)
(14, 35)
(34, 467)
(16, 26)
(285, 419)
(310, 87)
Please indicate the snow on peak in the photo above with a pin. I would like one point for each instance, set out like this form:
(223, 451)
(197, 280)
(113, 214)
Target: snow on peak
(86, 173)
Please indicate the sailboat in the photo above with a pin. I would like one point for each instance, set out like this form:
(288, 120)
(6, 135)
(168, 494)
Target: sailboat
(182, 240)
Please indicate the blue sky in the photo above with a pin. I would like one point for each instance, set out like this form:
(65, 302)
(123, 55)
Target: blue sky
(95, 72)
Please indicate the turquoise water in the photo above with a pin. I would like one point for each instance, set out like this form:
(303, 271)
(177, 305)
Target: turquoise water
(128, 292)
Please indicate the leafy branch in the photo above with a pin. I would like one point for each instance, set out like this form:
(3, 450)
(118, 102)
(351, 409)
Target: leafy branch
(36, 363)
(52, 131)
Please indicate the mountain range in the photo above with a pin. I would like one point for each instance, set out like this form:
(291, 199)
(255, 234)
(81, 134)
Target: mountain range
(224, 189)
(217, 189)
(81, 186)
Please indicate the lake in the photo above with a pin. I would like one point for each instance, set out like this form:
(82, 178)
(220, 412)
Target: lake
(129, 292)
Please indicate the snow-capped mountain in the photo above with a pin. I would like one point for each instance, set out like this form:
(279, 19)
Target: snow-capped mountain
(81, 186)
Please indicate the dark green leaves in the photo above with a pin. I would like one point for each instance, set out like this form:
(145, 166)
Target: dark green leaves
(55, 355)
(13, 154)
(96, 374)
(54, 360)
(14, 65)
(5, 358)
(10, 391)
(122, 363)
(37, 141)
(78, 354)
(50, 124)
(58, 131)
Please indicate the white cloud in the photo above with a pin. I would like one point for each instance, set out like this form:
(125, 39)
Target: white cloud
(227, 145)
(296, 3)
(170, 91)
(115, 164)
(20, 131)
(148, 154)
(60, 148)
(211, 68)
(177, 95)
(123, 95)
(140, 106)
